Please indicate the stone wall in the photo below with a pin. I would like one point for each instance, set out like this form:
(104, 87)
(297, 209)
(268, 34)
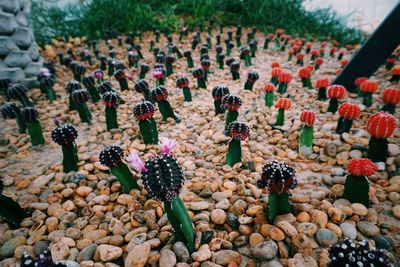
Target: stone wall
(19, 54)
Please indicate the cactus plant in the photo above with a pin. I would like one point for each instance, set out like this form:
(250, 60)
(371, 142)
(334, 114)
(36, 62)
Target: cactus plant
(159, 75)
(80, 97)
(111, 101)
(112, 158)
(18, 92)
(305, 74)
(144, 68)
(356, 187)
(183, 83)
(163, 178)
(391, 97)
(10, 210)
(13, 111)
(30, 116)
(238, 131)
(142, 87)
(70, 88)
(390, 62)
(220, 61)
(47, 82)
(252, 77)
(276, 71)
(278, 177)
(269, 94)
(78, 71)
(89, 83)
(175, 49)
(188, 55)
(342, 52)
(159, 94)
(65, 136)
(306, 137)
(358, 82)
(380, 126)
(98, 74)
(169, 60)
(199, 75)
(347, 112)
(322, 84)
(284, 79)
(335, 92)
(120, 76)
(232, 103)
(353, 253)
(314, 54)
(245, 55)
(269, 37)
(281, 105)
(234, 68)
(367, 88)
(300, 59)
(133, 59)
(205, 64)
(218, 94)
(148, 128)
(395, 74)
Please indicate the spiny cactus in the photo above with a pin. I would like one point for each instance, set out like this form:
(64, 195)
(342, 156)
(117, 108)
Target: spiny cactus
(245, 55)
(80, 97)
(335, 92)
(141, 86)
(148, 128)
(300, 59)
(367, 88)
(238, 131)
(380, 126)
(18, 92)
(169, 60)
(89, 83)
(347, 112)
(111, 101)
(395, 74)
(205, 64)
(234, 67)
(284, 79)
(276, 71)
(65, 136)
(232, 103)
(318, 62)
(199, 75)
(47, 81)
(305, 74)
(159, 94)
(306, 138)
(183, 83)
(159, 75)
(322, 84)
(281, 105)
(391, 97)
(70, 88)
(269, 94)
(120, 76)
(357, 83)
(218, 94)
(279, 178)
(188, 55)
(252, 77)
(144, 68)
(30, 116)
(13, 111)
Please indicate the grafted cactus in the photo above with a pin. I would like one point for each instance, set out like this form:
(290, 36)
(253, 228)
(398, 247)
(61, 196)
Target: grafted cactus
(347, 112)
(89, 83)
(159, 95)
(322, 84)
(380, 126)
(18, 92)
(234, 67)
(232, 103)
(65, 136)
(70, 88)
(269, 94)
(391, 97)
(80, 97)
(284, 79)
(306, 137)
(367, 88)
(252, 77)
(30, 116)
(305, 74)
(282, 104)
(218, 94)
(111, 101)
(120, 76)
(183, 83)
(335, 92)
(238, 131)
(13, 111)
(199, 74)
(276, 71)
(148, 128)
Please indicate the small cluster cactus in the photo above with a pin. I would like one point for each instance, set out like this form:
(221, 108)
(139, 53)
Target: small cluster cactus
(13, 111)
(252, 77)
(232, 103)
(111, 100)
(281, 105)
(112, 158)
(367, 88)
(284, 79)
(279, 178)
(159, 95)
(30, 116)
(269, 94)
(322, 84)
(353, 253)
(65, 136)
(391, 97)
(163, 178)
(238, 131)
(183, 83)
(348, 112)
(218, 94)
(335, 92)
(148, 128)
(380, 126)
(10, 210)
(356, 187)
(306, 137)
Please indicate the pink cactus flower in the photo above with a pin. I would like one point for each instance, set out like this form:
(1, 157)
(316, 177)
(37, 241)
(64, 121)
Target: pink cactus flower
(167, 146)
(158, 74)
(136, 162)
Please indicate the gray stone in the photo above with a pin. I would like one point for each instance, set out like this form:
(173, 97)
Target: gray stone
(348, 230)
(8, 248)
(326, 237)
(167, 258)
(21, 19)
(232, 219)
(273, 263)
(11, 6)
(181, 252)
(6, 45)
(22, 37)
(34, 52)
(33, 68)
(69, 263)
(264, 251)
(14, 74)
(383, 242)
(7, 22)
(87, 253)
(17, 59)
(368, 228)
(40, 247)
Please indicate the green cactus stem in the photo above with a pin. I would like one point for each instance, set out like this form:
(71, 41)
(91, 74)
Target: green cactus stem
(282, 88)
(221, 63)
(235, 75)
(277, 204)
(266, 43)
(111, 118)
(280, 119)
(35, 132)
(269, 99)
(247, 60)
(179, 218)
(306, 83)
(160, 81)
(333, 105)
(51, 95)
(248, 85)
(283, 47)
(290, 57)
(125, 177)
(231, 116)
(169, 69)
(72, 105)
(316, 67)
(322, 94)
(300, 62)
(142, 75)
(187, 96)
(377, 149)
(167, 111)
(306, 136)
(94, 94)
(343, 125)
(103, 65)
(218, 108)
(190, 62)
(21, 124)
(123, 83)
(26, 102)
(201, 83)
(234, 154)
(148, 131)
(206, 75)
(11, 211)
(356, 190)
(84, 113)
(70, 157)
(367, 99)
(274, 80)
(389, 108)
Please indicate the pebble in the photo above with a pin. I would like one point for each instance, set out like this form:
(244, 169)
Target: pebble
(227, 257)
(326, 237)
(181, 252)
(109, 252)
(255, 238)
(319, 217)
(167, 258)
(138, 256)
(218, 216)
(359, 209)
(8, 248)
(87, 253)
(196, 206)
(232, 219)
(203, 254)
(300, 260)
(396, 211)
(264, 251)
(368, 228)
(348, 230)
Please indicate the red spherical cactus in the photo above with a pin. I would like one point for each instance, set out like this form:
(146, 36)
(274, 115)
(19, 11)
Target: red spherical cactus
(395, 74)
(356, 187)
(367, 88)
(275, 64)
(269, 94)
(238, 132)
(344, 62)
(380, 125)
(284, 79)
(269, 87)
(281, 105)
(391, 97)
(314, 54)
(305, 74)
(276, 71)
(359, 81)
(390, 62)
(347, 112)
(318, 62)
(300, 59)
(307, 117)
(342, 52)
(335, 92)
(322, 84)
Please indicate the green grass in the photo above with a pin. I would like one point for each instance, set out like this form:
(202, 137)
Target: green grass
(97, 18)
